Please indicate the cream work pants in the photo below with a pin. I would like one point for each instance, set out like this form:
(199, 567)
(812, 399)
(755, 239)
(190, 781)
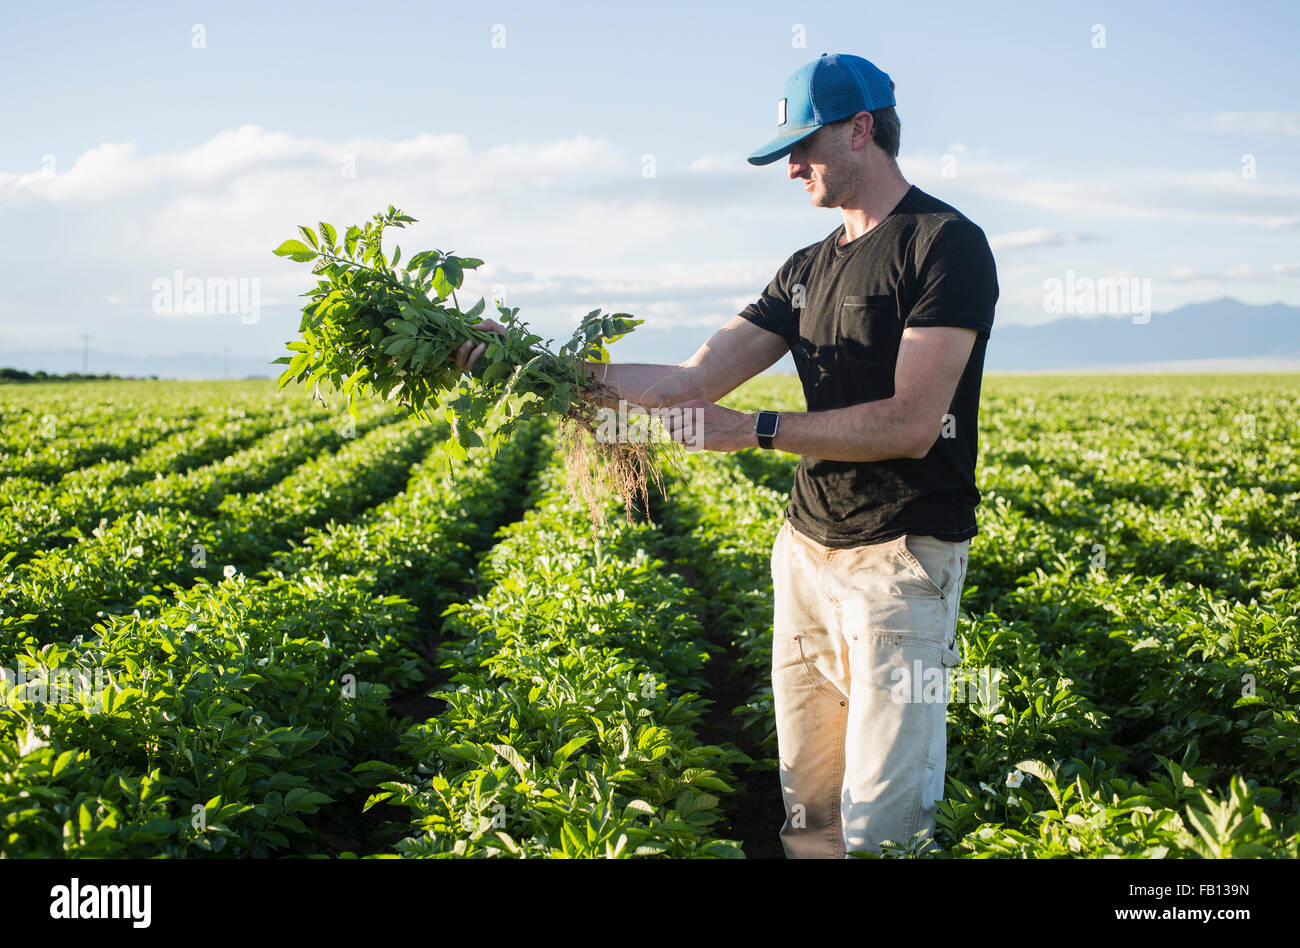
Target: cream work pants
(863, 640)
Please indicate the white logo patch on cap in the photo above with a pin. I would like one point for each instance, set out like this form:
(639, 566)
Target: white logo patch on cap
(780, 111)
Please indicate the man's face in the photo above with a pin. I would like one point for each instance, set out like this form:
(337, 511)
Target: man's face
(820, 161)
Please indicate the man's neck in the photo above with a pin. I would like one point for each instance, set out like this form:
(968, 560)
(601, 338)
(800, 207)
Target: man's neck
(878, 205)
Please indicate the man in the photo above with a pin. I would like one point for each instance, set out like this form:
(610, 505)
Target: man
(887, 320)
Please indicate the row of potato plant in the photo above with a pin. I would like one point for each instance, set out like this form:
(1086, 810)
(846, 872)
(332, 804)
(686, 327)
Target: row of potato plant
(239, 709)
(57, 514)
(61, 591)
(47, 431)
(569, 729)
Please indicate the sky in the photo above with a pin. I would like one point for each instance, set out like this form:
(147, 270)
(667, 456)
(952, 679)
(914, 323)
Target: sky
(595, 156)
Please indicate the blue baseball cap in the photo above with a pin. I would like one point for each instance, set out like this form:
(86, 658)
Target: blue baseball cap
(828, 89)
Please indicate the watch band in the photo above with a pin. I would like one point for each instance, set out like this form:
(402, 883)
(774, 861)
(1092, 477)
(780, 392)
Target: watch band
(765, 428)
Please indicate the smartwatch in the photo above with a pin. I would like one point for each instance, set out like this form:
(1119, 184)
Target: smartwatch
(765, 427)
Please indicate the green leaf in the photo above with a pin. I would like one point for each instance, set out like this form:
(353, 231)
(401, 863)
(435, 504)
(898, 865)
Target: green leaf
(66, 758)
(350, 238)
(565, 752)
(496, 372)
(295, 250)
(1037, 768)
(512, 757)
(441, 285)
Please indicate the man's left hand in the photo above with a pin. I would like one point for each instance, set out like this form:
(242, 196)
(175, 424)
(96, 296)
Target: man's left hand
(704, 426)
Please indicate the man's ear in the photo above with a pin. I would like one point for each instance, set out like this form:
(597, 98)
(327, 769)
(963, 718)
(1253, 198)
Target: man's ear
(863, 123)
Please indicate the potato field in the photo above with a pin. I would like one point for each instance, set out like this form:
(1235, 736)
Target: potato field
(236, 623)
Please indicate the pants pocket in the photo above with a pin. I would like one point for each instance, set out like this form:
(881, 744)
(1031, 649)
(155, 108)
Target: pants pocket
(951, 654)
(933, 563)
(903, 667)
(810, 658)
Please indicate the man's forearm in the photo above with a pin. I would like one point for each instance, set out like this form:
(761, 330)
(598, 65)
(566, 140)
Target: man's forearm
(873, 431)
(650, 386)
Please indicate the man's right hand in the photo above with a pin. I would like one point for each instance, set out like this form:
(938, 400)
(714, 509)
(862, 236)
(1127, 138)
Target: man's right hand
(469, 352)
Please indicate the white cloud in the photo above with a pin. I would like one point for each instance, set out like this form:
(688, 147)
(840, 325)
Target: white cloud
(1216, 194)
(450, 164)
(1036, 237)
(1273, 273)
(719, 163)
(1286, 123)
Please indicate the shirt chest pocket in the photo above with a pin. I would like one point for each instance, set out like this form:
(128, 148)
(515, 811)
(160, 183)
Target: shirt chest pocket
(868, 330)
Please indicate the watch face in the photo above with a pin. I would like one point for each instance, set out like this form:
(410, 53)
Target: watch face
(765, 427)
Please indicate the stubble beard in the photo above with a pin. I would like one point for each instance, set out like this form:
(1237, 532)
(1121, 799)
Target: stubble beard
(830, 196)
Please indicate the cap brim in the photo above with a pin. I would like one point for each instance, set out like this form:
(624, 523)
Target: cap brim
(780, 146)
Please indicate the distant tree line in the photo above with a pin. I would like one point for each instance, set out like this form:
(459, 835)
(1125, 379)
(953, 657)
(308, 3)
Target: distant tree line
(18, 375)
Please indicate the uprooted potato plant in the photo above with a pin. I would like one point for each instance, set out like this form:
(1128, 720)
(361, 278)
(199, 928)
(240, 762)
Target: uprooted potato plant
(377, 327)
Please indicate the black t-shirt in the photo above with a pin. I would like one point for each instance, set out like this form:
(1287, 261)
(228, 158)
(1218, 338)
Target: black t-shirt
(925, 264)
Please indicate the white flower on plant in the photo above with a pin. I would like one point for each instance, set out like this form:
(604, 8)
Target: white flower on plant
(229, 572)
(30, 742)
(1015, 778)
(984, 786)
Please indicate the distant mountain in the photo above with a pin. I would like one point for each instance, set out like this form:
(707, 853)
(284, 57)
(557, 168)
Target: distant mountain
(1221, 330)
